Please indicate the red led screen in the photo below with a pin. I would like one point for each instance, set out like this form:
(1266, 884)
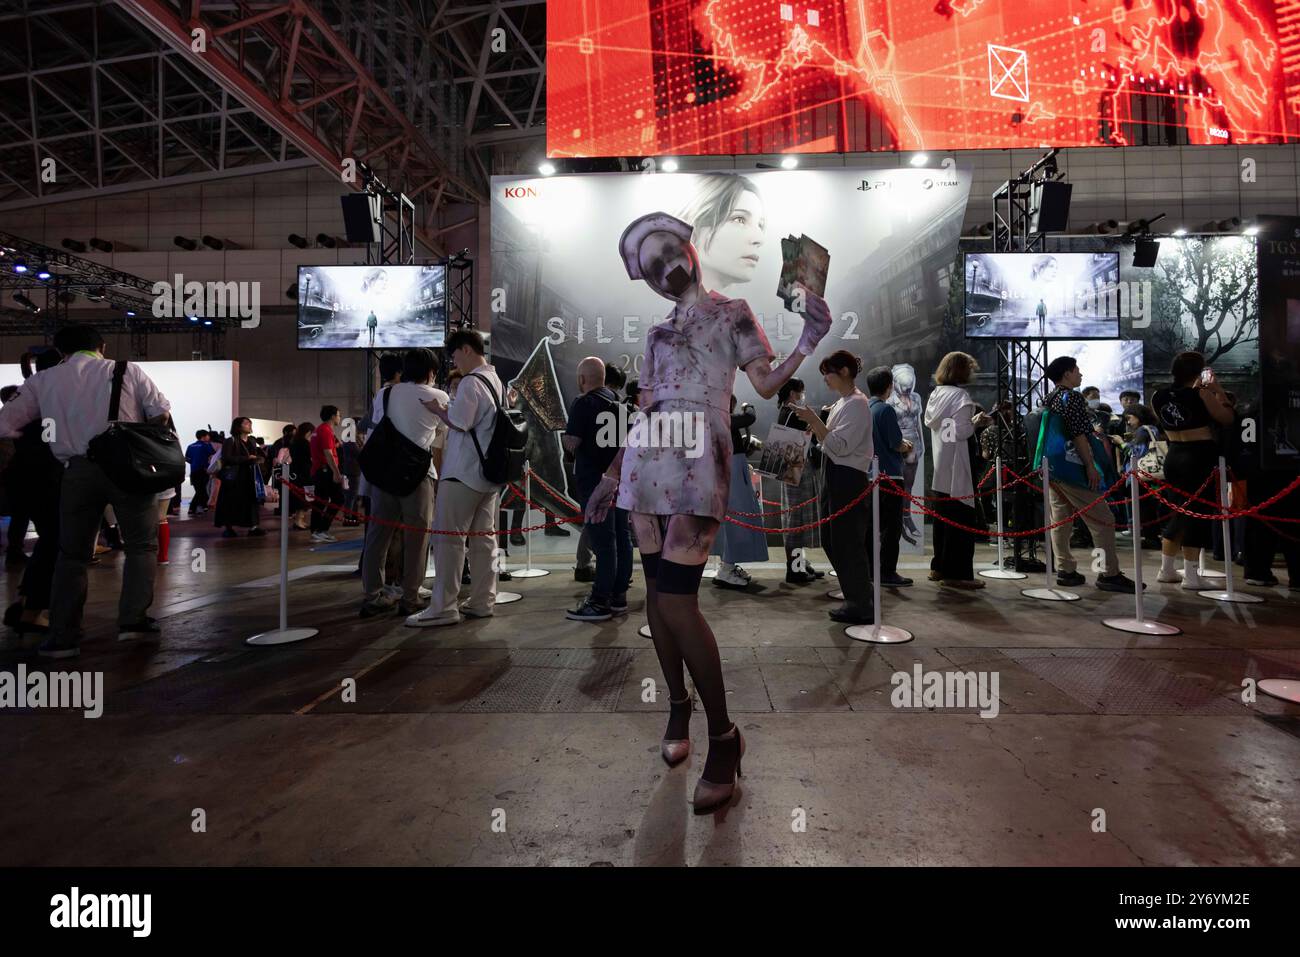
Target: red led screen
(642, 77)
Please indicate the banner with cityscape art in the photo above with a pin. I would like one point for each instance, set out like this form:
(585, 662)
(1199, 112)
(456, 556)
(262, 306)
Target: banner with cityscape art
(663, 77)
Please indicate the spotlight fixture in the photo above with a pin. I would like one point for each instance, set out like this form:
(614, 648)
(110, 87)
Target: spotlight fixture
(185, 243)
(919, 159)
(207, 322)
(22, 300)
(1180, 231)
(130, 313)
(20, 266)
(299, 241)
(326, 240)
(1103, 227)
(193, 318)
(789, 162)
(1251, 230)
(546, 168)
(212, 242)
(669, 166)
(76, 245)
(43, 273)
(102, 245)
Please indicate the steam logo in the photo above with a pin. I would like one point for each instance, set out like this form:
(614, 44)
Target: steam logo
(927, 183)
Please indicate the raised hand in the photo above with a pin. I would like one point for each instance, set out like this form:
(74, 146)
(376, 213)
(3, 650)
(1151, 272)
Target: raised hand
(602, 498)
(816, 320)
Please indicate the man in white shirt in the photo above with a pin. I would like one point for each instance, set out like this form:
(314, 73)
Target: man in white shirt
(73, 400)
(467, 501)
(410, 407)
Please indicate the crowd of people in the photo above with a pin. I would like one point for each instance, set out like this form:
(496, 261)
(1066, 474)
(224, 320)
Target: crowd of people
(78, 515)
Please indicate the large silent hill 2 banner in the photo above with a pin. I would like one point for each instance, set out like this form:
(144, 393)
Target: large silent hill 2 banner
(561, 291)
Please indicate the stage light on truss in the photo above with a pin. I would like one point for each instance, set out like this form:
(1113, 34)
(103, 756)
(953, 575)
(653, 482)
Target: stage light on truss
(22, 300)
(193, 318)
(20, 266)
(546, 168)
(76, 245)
(669, 166)
(919, 159)
(207, 322)
(43, 273)
(1180, 231)
(130, 313)
(1251, 230)
(789, 162)
(300, 241)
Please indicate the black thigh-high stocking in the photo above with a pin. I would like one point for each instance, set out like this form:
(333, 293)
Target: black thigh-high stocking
(699, 649)
(670, 659)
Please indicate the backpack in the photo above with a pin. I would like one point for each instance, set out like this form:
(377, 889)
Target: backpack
(1066, 464)
(504, 460)
(390, 461)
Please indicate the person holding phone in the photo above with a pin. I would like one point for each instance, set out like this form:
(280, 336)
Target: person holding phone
(1188, 410)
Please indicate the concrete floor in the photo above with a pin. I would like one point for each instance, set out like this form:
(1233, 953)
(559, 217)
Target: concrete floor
(536, 724)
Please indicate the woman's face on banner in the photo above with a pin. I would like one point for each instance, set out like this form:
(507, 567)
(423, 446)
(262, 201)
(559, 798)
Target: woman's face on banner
(732, 251)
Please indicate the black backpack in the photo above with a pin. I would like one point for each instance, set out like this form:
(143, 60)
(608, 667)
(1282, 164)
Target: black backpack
(137, 457)
(504, 460)
(390, 461)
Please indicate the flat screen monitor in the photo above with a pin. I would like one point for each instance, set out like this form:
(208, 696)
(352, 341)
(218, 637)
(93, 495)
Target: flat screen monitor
(372, 307)
(1112, 365)
(1043, 295)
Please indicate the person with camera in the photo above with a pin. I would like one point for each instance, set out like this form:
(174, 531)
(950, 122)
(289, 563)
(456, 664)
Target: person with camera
(75, 397)
(1188, 410)
(735, 543)
(846, 438)
(800, 504)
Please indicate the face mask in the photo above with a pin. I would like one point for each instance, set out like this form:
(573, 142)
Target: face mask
(678, 281)
(1093, 403)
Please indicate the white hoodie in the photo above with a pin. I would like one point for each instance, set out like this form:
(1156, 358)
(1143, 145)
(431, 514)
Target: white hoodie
(948, 414)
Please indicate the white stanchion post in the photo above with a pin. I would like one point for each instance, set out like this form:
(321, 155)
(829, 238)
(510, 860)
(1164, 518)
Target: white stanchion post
(528, 571)
(877, 632)
(1001, 571)
(1229, 594)
(1202, 570)
(1051, 592)
(284, 634)
(1139, 624)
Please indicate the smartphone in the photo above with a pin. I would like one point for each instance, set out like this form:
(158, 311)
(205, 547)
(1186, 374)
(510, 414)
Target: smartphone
(1207, 375)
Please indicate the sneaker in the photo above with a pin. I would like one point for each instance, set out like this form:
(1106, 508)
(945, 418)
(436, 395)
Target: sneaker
(815, 573)
(934, 576)
(392, 591)
(1118, 582)
(1268, 582)
(587, 574)
(894, 581)
(557, 531)
(425, 593)
(56, 648)
(1194, 582)
(736, 578)
(505, 577)
(619, 605)
(469, 612)
(408, 608)
(1170, 577)
(381, 604)
(322, 537)
(589, 612)
(1069, 579)
(436, 620)
(517, 538)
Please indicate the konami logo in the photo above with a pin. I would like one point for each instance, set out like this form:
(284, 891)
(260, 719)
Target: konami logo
(520, 192)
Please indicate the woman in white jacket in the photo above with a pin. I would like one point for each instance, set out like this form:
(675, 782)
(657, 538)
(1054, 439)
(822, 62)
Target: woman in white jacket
(952, 420)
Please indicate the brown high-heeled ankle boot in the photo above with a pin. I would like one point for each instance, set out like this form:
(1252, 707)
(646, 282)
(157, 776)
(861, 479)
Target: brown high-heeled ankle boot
(714, 794)
(676, 750)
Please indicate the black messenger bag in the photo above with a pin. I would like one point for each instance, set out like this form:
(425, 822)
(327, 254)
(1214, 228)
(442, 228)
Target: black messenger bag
(136, 456)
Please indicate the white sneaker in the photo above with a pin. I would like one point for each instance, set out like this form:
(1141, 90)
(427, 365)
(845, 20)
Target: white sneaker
(318, 537)
(430, 619)
(1173, 576)
(425, 592)
(1194, 582)
(393, 591)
